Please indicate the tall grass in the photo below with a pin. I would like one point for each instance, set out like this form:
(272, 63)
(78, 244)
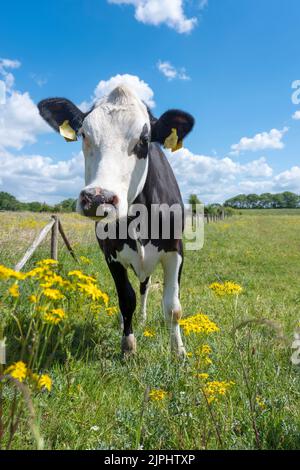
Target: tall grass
(101, 401)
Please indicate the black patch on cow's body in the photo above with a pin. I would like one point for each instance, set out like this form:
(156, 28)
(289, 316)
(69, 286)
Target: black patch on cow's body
(142, 147)
(160, 188)
(144, 286)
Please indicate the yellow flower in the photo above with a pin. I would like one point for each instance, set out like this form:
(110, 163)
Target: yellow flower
(51, 279)
(82, 277)
(14, 291)
(203, 352)
(54, 317)
(41, 381)
(18, 371)
(199, 323)
(44, 381)
(53, 294)
(47, 262)
(157, 395)
(94, 292)
(214, 390)
(226, 288)
(7, 273)
(111, 311)
(149, 333)
(260, 402)
(85, 260)
(32, 299)
(202, 376)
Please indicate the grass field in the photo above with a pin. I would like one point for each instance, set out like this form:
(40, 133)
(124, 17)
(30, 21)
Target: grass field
(101, 401)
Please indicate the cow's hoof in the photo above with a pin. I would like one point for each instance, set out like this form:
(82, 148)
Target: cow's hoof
(128, 345)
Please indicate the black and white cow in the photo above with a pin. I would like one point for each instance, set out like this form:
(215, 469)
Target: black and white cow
(125, 165)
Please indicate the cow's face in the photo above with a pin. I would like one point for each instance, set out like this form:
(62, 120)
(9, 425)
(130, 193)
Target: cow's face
(116, 134)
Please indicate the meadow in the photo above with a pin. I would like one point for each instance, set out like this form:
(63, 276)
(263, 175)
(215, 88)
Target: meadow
(237, 389)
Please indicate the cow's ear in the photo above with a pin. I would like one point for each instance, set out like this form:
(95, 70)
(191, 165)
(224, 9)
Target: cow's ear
(62, 115)
(172, 125)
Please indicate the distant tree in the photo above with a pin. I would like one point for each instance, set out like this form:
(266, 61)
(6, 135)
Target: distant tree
(9, 202)
(68, 205)
(264, 201)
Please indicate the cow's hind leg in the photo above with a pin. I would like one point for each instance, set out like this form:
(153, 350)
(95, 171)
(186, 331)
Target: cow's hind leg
(172, 265)
(144, 290)
(127, 303)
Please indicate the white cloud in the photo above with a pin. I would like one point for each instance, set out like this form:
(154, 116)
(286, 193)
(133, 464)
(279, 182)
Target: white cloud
(170, 72)
(20, 122)
(38, 178)
(215, 180)
(156, 12)
(296, 116)
(8, 77)
(263, 141)
(138, 86)
(289, 180)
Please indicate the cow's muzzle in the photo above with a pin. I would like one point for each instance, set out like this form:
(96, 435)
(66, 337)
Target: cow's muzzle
(97, 202)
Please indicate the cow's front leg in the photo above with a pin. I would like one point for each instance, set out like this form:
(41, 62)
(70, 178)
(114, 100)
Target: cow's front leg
(127, 303)
(172, 264)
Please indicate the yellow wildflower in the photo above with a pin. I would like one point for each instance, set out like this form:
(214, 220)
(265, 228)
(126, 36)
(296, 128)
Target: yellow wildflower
(226, 288)
(7, 273)
(47, 262)
(18, 371)
(94, 292)
(203, 352)
(199, 323)
(32, 299)
(14, 291)
(111, 311)
(55, 316)
(85, 260)
(260, 402)
(44, 381)
(149, 333)
(157, 395)
(82, 276)
(202, 376)
(53, 294)
(214, 390)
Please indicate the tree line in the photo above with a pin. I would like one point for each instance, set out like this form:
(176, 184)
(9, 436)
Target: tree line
(8, 202)
(285, 200)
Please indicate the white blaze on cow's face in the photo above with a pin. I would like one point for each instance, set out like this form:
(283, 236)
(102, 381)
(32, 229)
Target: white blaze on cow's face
(116, 134)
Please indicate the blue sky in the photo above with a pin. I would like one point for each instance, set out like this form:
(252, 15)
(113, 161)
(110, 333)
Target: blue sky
(229, 63)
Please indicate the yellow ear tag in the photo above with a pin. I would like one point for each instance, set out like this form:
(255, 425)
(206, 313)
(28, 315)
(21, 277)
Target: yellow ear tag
(67, 132)
(172, 142)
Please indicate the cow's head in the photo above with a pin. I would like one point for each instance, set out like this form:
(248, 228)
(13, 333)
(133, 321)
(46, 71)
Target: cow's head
(116, 135)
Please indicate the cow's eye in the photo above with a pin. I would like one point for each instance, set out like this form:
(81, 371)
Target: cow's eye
(144, 140)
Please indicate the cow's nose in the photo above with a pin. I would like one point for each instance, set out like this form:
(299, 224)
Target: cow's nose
(92, 198)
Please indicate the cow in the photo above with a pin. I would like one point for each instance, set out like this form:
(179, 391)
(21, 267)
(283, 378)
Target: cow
(125, 165)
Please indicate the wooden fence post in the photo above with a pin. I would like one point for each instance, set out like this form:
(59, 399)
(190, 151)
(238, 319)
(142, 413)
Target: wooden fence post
(54, 238)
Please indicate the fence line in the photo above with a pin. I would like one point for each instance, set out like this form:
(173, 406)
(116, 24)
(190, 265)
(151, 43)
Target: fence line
(56, 227)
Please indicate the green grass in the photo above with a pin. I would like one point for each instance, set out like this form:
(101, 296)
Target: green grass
(97, 400)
